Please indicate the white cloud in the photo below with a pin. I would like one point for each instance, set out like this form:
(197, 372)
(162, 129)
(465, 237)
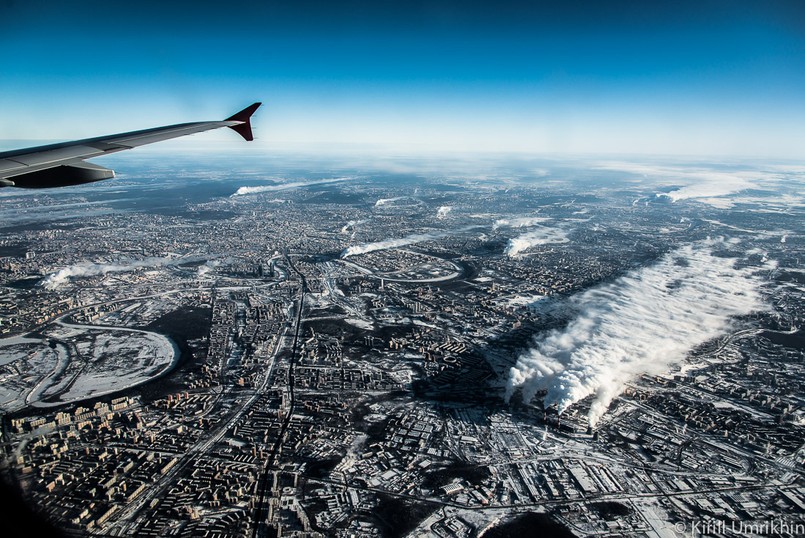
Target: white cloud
(84, 269)
(402, 241)
(385, 201)
(521, 222)
(391, 243)
(351, 225)
(703, 185)
(541, 236)
(644, 322)
(286, 186)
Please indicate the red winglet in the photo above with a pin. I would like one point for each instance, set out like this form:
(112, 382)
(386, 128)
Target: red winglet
(244, 129)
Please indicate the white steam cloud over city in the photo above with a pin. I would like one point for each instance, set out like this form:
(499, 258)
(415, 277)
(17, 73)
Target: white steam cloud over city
(700, 184)
(391, 243)
(385, 201)
(402, 241)
(351, 225)
(521, 222)
(644, 322)
(541, 236)
(54, 280)
(242, 191)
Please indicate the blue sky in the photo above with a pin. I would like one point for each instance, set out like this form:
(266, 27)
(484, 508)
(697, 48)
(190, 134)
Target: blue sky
(687, 77)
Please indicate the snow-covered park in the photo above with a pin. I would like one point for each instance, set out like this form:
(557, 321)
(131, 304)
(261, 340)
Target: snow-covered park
(68, 363)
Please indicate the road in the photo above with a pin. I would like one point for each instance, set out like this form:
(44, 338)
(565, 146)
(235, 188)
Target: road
(127, 517)
(260, 527)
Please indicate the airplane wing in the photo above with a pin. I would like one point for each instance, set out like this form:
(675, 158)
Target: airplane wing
(60, 165)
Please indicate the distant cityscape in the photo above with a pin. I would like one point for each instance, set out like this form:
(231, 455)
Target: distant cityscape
(580, 348)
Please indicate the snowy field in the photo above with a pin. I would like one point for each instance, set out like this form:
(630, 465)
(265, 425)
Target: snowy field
(75, 362)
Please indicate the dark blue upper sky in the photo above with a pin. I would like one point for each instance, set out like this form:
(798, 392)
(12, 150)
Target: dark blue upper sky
(712, 77)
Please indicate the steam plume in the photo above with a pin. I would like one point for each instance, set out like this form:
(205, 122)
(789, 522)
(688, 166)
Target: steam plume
(703, 185)
(350, 225)
(644, 322)
(402, 241)
(522, 222)
(385, 201)
(85, 269)
(541, 236)
(286, 186)
(391, 243)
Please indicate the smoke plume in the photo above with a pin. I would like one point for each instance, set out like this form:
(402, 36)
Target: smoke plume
(385, 201)
(443, 211)
(403, 241)
(541, 236)
(242, 191)
(522, 222)
(54, 280)
(644, 322)
(390, 243)
(350, 225)
(704, 185)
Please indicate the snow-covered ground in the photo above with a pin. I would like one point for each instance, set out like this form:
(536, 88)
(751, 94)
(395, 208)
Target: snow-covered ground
(360, 323)
(74, 362)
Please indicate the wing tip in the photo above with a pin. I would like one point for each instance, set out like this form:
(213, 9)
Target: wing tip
(244, 129)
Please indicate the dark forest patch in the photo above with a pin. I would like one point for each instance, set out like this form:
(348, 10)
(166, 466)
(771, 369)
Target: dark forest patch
(320, 468)
(376, 431)
(336, 328)
(189, 322)
(793, 340)
(397, 517)
(610, 510)
(790, 276)
(181, 325)
(474, 474)
(14, 251)
(27, 283)
(530, 524)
